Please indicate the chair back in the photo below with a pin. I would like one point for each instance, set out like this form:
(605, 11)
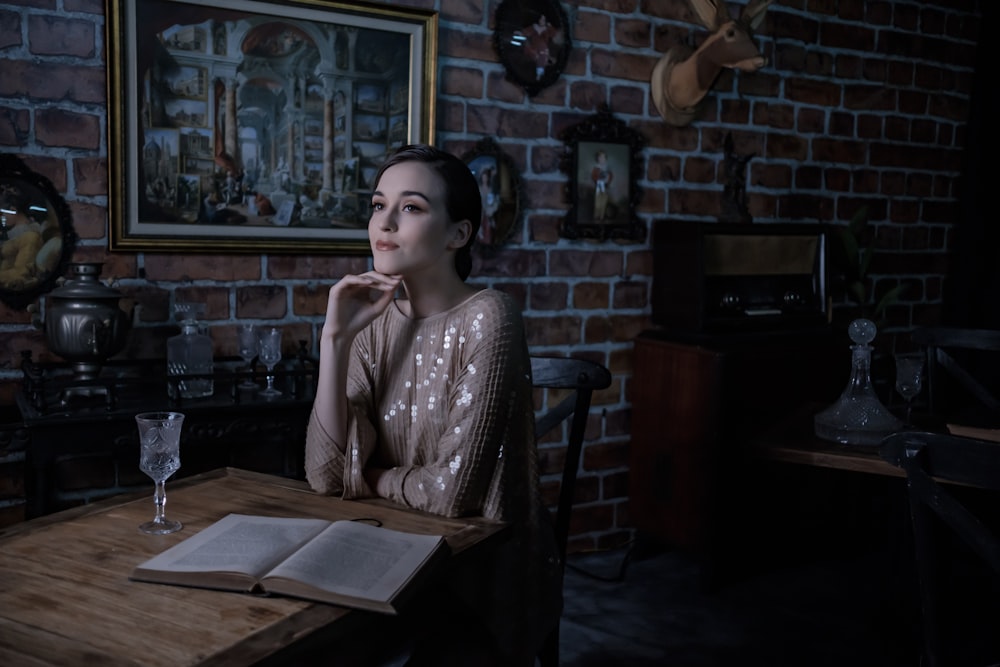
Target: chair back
(963, 367)
(582, 378)
(938, 468)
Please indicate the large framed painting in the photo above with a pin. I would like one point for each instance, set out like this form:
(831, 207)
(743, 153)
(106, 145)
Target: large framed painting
(603, 157)
(242, 126)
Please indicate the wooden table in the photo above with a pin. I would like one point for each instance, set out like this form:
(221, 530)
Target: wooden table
(65, 596)
(793, 440)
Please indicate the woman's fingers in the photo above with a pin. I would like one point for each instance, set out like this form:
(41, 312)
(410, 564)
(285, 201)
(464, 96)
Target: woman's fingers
(371, 280)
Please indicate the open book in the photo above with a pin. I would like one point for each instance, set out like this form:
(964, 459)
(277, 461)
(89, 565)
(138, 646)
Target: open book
(350, 563)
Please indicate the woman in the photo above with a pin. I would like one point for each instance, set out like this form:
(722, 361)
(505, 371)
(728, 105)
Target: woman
(426, 400)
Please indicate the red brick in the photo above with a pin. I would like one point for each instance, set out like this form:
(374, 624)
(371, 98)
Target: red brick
(630, 294)
(465, 44)
(500, 88)
(10, 29)
(591, 26)
(328, 269)
(582, 263)
(591, 296)
(700, 170)
(810, 91)
(202, 267)
(261, 301)
(216, 300)
(52, 81)
(588, 95)
(56, 127)
(15, 126)
(463, 12)
(558, 330)
(462, 81)
(549, 295)
(57, 36)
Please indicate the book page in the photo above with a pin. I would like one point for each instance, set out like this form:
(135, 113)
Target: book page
(237, 543)
(359, 560)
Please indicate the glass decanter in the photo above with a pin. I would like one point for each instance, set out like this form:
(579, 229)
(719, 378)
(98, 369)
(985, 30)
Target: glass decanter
(858, 417)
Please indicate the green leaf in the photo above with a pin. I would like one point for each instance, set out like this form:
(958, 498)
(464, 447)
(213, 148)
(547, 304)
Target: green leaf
(858, 291)
(889, 298)
(850, 247)
(866, 260)
(859, 221)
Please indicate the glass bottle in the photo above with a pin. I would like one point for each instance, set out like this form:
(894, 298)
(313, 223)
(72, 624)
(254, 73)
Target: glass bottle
(190, 353)
(858, 417)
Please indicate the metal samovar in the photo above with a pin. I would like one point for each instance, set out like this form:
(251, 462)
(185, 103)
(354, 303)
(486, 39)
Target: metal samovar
(83, 323)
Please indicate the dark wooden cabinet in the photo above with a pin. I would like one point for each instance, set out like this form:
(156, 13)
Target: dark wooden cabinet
(695, 401)
(86, 448)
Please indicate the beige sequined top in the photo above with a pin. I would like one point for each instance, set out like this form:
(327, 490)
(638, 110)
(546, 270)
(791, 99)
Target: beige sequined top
(444, 403)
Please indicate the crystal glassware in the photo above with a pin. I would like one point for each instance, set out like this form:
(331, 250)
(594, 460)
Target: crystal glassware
(909, 378)
(247, 340)
(160, 457)
(858, 417)
(269, 351)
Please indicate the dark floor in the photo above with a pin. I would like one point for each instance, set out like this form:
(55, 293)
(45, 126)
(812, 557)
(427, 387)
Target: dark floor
(823, 613)
(814, 594)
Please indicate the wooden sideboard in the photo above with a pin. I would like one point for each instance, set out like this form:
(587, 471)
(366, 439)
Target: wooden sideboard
(72, 440)
(697, 401)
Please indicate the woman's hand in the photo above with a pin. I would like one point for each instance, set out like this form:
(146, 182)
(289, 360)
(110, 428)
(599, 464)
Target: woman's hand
(355, 301)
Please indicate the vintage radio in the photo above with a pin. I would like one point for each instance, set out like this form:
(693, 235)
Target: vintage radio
(721, 277)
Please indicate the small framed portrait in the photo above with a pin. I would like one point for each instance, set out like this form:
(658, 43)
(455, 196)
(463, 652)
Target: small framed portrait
(532, 41)
(602, 160)
(500, 191)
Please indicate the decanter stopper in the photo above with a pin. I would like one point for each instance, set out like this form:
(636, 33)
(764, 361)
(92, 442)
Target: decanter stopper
(858, 417)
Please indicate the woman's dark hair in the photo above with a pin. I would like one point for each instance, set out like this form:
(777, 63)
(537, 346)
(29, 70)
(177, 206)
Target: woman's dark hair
(461, 192)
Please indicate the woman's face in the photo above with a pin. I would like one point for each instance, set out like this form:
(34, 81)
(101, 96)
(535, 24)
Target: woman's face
(410, 230)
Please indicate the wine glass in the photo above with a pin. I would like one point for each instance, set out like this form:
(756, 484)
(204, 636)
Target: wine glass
(269, 351)
(247, 337)
(909, 378)
(159, 457)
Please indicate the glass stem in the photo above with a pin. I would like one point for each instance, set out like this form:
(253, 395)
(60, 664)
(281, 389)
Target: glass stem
(160, 498)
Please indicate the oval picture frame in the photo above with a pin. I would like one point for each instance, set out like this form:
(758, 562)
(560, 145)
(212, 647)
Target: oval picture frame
(36, 234)
(532, 42)
(501, 192)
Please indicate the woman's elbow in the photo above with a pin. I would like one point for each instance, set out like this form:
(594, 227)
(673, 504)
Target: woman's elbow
(322, 485)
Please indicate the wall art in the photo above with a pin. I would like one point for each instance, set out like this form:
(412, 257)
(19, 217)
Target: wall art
(603, 158)
(36, 233)
(501, 192)
(247, 126)
(532, 41)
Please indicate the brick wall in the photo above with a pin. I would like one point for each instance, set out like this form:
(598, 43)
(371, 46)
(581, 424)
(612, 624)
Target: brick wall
(861, 103)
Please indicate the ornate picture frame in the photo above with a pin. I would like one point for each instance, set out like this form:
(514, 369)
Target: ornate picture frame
(603, 159)
(246, 126)
(36, 234)
(501, 192)
(532, 41)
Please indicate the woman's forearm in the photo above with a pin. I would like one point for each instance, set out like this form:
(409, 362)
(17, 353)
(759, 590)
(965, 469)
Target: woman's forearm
(330, 405)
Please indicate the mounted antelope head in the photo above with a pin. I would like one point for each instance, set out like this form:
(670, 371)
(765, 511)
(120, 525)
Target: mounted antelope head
(682, 78)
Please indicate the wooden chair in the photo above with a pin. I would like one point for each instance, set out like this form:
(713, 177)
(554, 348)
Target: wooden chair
(582, 378)
(941, 473)
(960, 364)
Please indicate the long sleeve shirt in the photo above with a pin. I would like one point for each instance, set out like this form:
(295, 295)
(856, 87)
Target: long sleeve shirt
(444, 403)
